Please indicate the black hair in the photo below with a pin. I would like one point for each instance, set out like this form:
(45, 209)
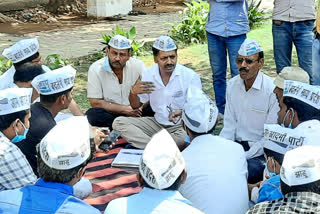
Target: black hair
(52, 98)
(304, 111)
(27, 72)
(29, 59)
(261, 55)
(6, 120)
(175, 186)
(277, 156)
(60, 176)
(310, 187)
(156, 51)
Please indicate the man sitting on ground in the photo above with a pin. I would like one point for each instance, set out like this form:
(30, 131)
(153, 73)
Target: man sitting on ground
(109, 83)
(250, 103)
(161, 171)
(25, 51)
(300, 113)
(300, 184)
(14, 123)
(165, 86)
(215, 180)
(55, 89)
(62, 158)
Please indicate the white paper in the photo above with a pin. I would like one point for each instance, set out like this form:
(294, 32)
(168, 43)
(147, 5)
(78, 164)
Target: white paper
(128, 158)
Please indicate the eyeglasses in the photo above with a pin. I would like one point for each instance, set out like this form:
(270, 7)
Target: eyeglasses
(247, 60)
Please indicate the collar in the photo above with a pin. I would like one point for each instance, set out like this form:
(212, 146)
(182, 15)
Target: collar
(169, 194)
(258, 81)
(176, 72)
(64, 188)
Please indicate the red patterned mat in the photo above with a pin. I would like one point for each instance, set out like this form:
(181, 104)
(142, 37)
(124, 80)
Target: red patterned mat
(109, 183)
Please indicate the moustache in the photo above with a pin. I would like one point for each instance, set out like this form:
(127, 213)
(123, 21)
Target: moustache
(169, 65)
(243, 69)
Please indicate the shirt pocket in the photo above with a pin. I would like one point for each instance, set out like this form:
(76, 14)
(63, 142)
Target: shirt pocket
(259, 115)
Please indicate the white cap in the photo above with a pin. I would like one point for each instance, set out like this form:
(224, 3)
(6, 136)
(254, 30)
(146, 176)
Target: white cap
(249, 47)
(281, 140)
(67, 145)
(164, 43)
(291, 73)
(301, 166)
(119, 42)
(55, 81)
(200, 113)
(14, 99)
(161, 162)
(304, 92)
(22, 50)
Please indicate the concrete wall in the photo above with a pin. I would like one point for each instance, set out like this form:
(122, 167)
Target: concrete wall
(107, 8)
(7, 5)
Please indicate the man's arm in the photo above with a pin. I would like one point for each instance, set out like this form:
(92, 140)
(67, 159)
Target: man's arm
(140, 87)
(115, 108)
(74, 108)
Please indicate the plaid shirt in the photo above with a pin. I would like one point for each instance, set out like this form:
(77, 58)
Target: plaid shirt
(295, 202)
(15, 171)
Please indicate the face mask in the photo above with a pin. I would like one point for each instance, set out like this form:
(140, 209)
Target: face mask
(285, 116)
(271, 174)
(187, 139)
(19, 138)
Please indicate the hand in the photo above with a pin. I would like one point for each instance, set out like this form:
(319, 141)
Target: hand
(98, 139)
(133, 112)
(175, 116)
(142, 87)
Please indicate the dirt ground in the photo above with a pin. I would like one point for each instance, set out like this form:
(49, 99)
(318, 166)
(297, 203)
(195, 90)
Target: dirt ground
(68, 21)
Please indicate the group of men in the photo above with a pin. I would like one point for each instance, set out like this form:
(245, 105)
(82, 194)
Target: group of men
(266, 153)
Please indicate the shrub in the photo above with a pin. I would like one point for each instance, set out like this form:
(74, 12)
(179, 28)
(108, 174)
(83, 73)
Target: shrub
(256, 16)
(192, 29)
(131, 35)
(55, 61)
(5, 64)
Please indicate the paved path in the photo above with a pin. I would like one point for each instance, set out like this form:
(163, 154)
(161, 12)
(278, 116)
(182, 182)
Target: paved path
(84, 40)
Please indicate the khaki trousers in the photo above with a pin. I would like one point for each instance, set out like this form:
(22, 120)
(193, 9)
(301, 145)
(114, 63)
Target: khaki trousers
(138, 131)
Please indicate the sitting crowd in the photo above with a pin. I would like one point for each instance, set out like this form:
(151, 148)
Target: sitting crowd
(265, 160)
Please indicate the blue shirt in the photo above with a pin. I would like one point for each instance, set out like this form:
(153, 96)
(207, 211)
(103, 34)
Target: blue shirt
(43, 197)
(152, 201)
(270, 190)
(228, 18)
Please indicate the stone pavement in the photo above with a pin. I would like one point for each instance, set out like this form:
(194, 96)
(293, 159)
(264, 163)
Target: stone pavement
(83, 40)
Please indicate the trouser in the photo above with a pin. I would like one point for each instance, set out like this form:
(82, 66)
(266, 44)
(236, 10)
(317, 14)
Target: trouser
(218, 48)
(316, 60)
(255, 165)
(298, 33)
(139, 131)
(101, 118)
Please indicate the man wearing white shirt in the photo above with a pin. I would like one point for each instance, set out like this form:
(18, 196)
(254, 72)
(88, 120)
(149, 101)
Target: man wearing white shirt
(109, 82)
(217, 167)
(164, 85)
(250, 104)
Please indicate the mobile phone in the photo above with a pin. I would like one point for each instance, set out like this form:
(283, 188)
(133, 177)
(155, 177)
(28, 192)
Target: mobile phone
(113, 136)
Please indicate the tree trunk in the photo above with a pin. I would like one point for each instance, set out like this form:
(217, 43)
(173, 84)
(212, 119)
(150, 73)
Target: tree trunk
(6, 19)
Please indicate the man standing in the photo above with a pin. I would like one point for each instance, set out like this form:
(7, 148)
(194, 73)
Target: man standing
(250, 104)
(55, 89)
(165, 86)
(14, 124)
(226, 30)
(109, 83)
(293, 22)
(215, 180)
(62, 158)
(300, 184)
(316, 52)
(161, 172)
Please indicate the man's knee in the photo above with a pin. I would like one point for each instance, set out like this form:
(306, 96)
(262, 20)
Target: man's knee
(119, 122)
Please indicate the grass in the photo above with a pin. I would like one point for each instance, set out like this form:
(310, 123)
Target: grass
(194, 56)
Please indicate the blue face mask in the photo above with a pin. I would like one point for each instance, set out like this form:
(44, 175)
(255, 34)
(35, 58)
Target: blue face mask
(19, 138)
(187, 139)
(271, 174)
(285, 116)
